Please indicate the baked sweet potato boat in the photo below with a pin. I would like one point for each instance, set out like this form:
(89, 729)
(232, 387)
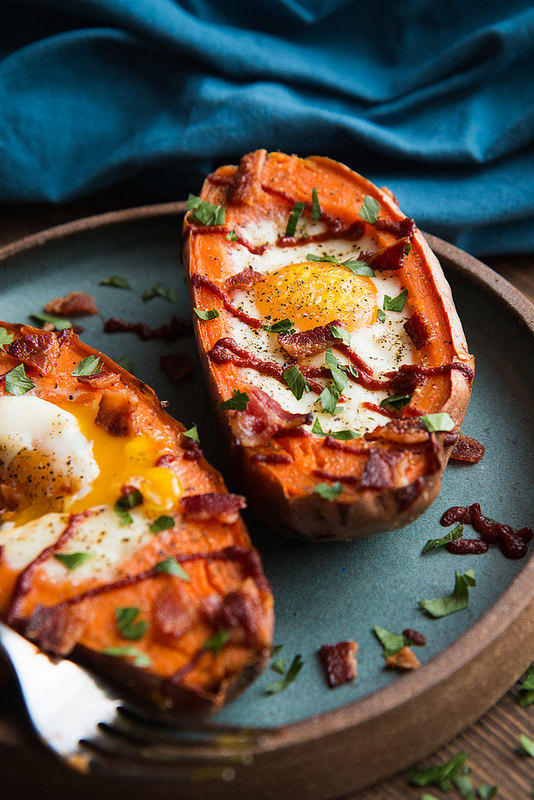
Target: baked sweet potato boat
(330, 343)
(118, 541)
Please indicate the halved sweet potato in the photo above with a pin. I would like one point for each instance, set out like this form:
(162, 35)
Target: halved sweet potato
(281, 242)
(119, 542)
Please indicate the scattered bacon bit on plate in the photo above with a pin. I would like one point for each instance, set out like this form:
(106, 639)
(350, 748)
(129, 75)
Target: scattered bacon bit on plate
(339, 661)
(72, 304)
(404, 659)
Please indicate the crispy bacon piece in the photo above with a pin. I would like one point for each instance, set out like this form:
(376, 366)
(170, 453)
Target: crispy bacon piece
(176, 366)
(174, 614)
(405, 659)
(56, 629)
(246, 185)
(416, 638)
(116, 414)
(237, 612)
(73, 304)
(419, 330)
(224, 507)
(392, 256)
(308, 343)
(243, 280)
(262, 418)
(169, 332)
(339, 661)
(98, 380)
(37, 350)
(467, 449)
(379, 471)
(398, 227)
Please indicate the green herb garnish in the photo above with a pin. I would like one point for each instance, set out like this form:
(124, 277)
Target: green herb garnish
(59, 323)
(204, 212)
(73, 560)
(486, 792)
(381, 317)
(527, 687)
(158, 290)
(442, 775)
(465, 787)
(163, 523)
(124, 503)
(128, 627)
(328, 491)
(192, 433)
(206, 315)
(283, 326)
(232, 236)
(396, 400)
(115, 280)
(330, 395)
(289, 677)
(294, 217)
(395, 303)
(5, 338)
(437, 422)
(342, 436)
(433, 544)
(87, 366)
(277, 649)
(126, 363)
(340, 333)
(370, 209)
(17, 382)
(391, 642)
(170, 566)
(326, 259)
(216, 642)
(238, 401)
(296, 381)
(358, 267)
(279, 665)
(140, 659)
(451, 603)
(316, 208)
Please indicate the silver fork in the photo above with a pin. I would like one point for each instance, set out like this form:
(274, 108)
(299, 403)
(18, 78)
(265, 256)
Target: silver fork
(84, 722)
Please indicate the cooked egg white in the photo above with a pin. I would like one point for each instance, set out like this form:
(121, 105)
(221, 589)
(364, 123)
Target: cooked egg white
(312, 293)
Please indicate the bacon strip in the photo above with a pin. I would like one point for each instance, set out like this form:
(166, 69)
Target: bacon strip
(224, 507)
(392, 256)
(398, 227)
(246, 185)
(263, 418)
(37, 350)
(245, 279)
(339, 661)
(200, 281)
(72, 304)
(419, 330)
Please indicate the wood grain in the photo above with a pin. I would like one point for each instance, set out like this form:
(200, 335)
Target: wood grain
(491, 742)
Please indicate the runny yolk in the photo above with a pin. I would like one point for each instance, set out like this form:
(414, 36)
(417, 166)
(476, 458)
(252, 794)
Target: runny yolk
(313, 293)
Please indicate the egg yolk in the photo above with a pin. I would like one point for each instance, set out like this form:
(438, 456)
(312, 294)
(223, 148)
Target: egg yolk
(313, 293)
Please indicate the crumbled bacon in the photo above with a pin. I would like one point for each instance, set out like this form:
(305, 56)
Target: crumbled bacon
(243, 280)
(73, 304)
(174, 614)
(262, 418)
(308, 343)
(246, 185)
(407, 495)
(98, 380)
(192, 448)
(238, 612)
(169, 332)
(398, 227)
(467, 449)
(339, 661)
(212, 505)
(37, 350)
(390, 257)
(379, 471)
(404, 659)
(116, 414)
(55, 628)
(419, 330)
(176, 366)
(416, 638)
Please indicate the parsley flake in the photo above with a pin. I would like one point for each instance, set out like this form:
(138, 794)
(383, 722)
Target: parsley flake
(451, 603)
(325, 259)
(192, 433)
(441, 775)
(294, 217)
(170, 566)
(343, 436)
(73, 560)
(5, 338)
(316, 208)
(124, 503)
(370, 209)
(115, 280)
(327, 491)
(59, 323)
(283, 326)
(216, 642)
(163, 523)
(358, 267)
(330, 395)
(296, 381)
(437, 422)
(17, 382)
(289, 677)
(396, 400)
(87, 366)
(206, 315)
(486, 791)
(238, 401)
(140, 659)
(340, 333)
(391, 642)
(433, 544)
(526, 745)
(395, 303)
(279, 666)
(158, 290)
(204, 212)
(232, 235)
(128, 627)
(381, 317)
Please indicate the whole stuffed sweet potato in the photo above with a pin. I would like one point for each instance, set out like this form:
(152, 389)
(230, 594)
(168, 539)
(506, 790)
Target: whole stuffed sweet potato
(331, 345)
(119, 542)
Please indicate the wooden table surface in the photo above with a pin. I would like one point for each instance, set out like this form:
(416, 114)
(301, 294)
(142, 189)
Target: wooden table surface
(491, 743)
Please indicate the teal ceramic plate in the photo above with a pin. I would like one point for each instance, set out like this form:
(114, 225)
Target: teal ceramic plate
(332, 591)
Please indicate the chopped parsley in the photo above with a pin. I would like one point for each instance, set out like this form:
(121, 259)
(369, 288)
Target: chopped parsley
(192, 433)
(343, 436)
(396, 400)
(206, 315)
(216, 642)
(158, 290)
(395, 303)
(433, 544)
(281, 685)
(328, 491)
(340, 333)
(238, 401)
(325, 259)
(5, 338)
(163, 523)
(437, 422)
(170, 566)
(330, 395)
(59, 323)
(486, 792)
(73, 560)
(316, 208)
(17, 382)
(232, 236)
(296, 381)
(140, 659)
(391, 642)
(204, 212)
(279, 665)
(370, 209)
(124, 503)
(527, 688)
(87, 366)
(358, 267)
(441, 775)
(129, 626)
(115, 280)
(283, 326)
(451, 603)
(294, 217)
(380, 315)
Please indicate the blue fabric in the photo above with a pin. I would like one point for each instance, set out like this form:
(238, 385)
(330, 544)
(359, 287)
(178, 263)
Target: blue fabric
(434, 100)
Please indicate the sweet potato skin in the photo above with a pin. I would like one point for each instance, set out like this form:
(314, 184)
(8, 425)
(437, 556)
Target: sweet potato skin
(227, 590)
(282, 495)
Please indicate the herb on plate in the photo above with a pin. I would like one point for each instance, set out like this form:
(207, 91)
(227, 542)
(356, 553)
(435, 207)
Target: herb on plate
(158, 290)
(433, 544)
(437, 422)
(126, 502)
(59, 323)
(115, 280)
(316, 208)
(294, 217)
(216, 642)
(192, 433)
(291, 674)
(395, 303)
(140, 659)
(396, 401)
(391, 642)
(170, 566)
(283, 326)
(163, 523)
(212, 313)
(451, 603)
(5, 338)
(328, 491)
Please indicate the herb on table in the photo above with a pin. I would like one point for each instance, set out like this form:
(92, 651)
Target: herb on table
(527, 687)
(140, 659)
(216, 642)
(328, 491)
(457, 601)
(296, 381)
(238, 401)
(5, 338)
(204, 212)
(87, 366)
(129, 626)
(441, 775)
(433, 544)
(526, 747)
(17, 382)
(370, 209)
(170, 566)
(291, 674)
(158, 290)
(294, 217)
(395, 303)
(115, 280)
(316, 208)
(59, 323)
(283, 326)
(163, 523)
(330, 395)
(437, 422)
(486, 792)
(206, 315)
(73, 560)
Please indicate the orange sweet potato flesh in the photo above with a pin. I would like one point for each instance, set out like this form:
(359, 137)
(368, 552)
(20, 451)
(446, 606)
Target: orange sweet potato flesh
(391, 475)
(226, 594)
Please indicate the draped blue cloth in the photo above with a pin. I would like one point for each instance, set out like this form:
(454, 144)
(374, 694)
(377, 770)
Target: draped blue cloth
(434, 100)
